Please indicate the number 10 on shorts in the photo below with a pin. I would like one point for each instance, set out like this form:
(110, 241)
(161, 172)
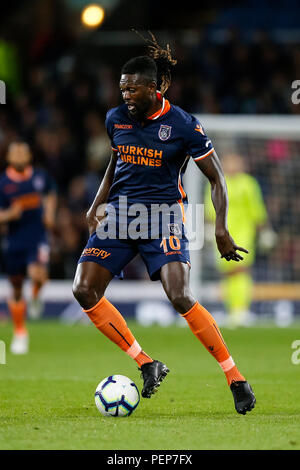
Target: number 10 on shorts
(170, 244)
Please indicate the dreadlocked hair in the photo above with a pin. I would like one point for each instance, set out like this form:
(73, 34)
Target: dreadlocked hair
(163, 59)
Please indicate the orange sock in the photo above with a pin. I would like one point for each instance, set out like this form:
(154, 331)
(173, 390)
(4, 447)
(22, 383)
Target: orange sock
(206, 330)
(17, 310)
(110, 322)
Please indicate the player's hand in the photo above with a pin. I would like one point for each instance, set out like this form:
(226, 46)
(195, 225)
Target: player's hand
(92, 221)
(227, 248)
(15, 212)
(49, 222)
(95, 216)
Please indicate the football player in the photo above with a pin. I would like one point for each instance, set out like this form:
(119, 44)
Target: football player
(27, 207)
(152, 141)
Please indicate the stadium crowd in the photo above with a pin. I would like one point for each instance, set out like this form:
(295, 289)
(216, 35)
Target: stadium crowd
(60, 108)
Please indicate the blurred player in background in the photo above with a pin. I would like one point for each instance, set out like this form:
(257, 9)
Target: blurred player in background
(152, 142)
(247, 221)
(27, 207)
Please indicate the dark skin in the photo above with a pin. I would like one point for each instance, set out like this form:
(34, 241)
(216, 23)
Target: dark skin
(91, 279)
(139, 94)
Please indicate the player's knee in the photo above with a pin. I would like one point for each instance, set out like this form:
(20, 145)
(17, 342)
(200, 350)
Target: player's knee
(17, 294)
(182, 301)
(81, 292)
(17, 287)
(38, 274)
(85, 294)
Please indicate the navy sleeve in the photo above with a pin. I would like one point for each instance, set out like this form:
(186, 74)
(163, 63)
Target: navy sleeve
(50, 184)
(198, 144)
(109, 124)
(4, 202)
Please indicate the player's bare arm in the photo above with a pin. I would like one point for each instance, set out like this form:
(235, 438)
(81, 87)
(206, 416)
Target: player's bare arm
(212, 169)
(102, 194)
(50, 205)
(14, 212)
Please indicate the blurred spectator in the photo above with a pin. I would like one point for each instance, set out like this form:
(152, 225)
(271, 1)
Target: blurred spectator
(98, 144)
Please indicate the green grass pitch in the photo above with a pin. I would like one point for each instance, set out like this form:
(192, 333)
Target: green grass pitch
(47, 397)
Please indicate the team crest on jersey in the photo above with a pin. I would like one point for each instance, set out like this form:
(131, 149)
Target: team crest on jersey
(38, 183)
(164, 132)
(174, 228)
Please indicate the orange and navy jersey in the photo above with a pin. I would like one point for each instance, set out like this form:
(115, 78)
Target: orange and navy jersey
(26, 190)
(152, 157)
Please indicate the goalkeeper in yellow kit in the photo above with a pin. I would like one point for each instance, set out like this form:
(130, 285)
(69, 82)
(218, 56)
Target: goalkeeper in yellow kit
(247, 214)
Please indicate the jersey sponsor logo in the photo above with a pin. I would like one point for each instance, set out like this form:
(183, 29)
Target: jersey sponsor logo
(95, 252)
(164, 132)
(140, 155)
(123, 126)
(28, 201)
